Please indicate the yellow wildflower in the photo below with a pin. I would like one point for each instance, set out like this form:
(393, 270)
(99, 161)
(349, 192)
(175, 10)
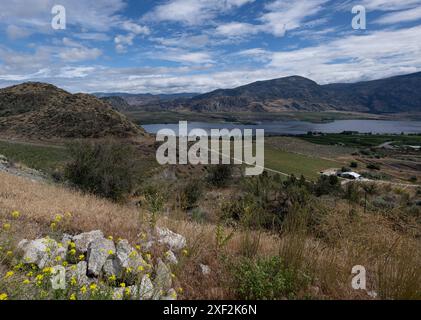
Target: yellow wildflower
(82, 257)
(15, 214)
(60, 245)
(110, 252)
(58, 258)
(127, 292)
(65, 264)
(73, 281)
(3, 296)
(72, 252)
(112, 278)
(174, 295)
(9, 253)
(148, 256)
(132, 254)
(129, 270)
(68, 214)
(180, 290)
(123, 285)
(72, 244)
(47, 270)
(9, 274)
(185, 252)
(110, 238)
(93, 287)
(83, 290)
(26, 281)
(140, 268)
(29, 274)
(72, 297)
(53, 226)
(138, 247)
(58, 218)
(39, 277)
(6, 226)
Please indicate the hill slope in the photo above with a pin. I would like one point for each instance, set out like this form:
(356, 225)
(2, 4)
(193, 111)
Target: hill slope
(38, 110)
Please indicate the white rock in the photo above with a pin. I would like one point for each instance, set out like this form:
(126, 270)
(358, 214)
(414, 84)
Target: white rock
(171, 295)
(170, 257)
(98, 252)
(206, 270)
(146, 289)
(173, 240)
(121, 293)
(83, 240)
(128, 257)
(112, 268)
(163, 279)
(79, 272)
(41, 252)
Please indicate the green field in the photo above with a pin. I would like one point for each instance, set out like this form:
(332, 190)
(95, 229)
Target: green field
(297, 164)
(362, 140)
(44, 158)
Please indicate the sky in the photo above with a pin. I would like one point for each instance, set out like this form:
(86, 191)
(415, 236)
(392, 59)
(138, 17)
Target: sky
(173, 46)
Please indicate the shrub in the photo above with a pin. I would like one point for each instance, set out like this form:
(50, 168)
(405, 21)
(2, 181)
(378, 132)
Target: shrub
(104, 168)
(373, 166)
(219, 175)
(327, 185)
(353, 164)
(190, 194)
(263, 279)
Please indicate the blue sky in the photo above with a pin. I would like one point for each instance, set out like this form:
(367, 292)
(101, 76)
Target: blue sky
(170, 46)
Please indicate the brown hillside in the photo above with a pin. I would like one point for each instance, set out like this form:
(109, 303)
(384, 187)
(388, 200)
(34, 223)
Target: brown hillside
(39, 110)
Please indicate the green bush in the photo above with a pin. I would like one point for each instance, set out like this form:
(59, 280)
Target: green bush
(104, 168)
(264, 279)
(353, 164)
(190, 194)
(219, 175)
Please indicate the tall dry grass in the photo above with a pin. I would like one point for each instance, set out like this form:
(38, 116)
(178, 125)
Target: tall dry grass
(325, 256)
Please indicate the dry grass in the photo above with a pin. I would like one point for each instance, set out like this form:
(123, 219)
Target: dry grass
(391, 257)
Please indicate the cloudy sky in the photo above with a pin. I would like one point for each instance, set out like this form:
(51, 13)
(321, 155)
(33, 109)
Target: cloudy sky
(168, 46)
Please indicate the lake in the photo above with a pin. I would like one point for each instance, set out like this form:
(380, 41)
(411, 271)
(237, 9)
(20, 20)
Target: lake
(302, 127)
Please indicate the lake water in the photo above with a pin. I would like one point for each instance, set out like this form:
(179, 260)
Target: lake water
(302, 127)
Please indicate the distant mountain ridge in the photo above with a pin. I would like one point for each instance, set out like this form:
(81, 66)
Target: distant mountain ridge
(39, 110)
(145, 98)
(295, 93)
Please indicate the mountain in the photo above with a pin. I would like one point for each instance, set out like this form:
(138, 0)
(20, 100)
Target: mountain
(391, 95)
(146, 98)
(40, 110)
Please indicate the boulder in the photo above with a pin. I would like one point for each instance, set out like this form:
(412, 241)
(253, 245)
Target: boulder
(79, 272)
(146, 288)
(98, 252)
(112, 268)
(170, 257)
(128, 257)
(171, 295)
(163, 278)
(121, 293)
(41, 252)
(83, 240)
(173, 240)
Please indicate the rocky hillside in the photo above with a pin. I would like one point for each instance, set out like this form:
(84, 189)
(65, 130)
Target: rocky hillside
(39, 110)
(392, 95)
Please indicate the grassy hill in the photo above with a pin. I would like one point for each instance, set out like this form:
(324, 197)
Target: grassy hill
(43, 111)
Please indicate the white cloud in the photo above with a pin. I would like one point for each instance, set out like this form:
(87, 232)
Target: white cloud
(283, 16)
(237, 29)
(400, 16)
(192, 12)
